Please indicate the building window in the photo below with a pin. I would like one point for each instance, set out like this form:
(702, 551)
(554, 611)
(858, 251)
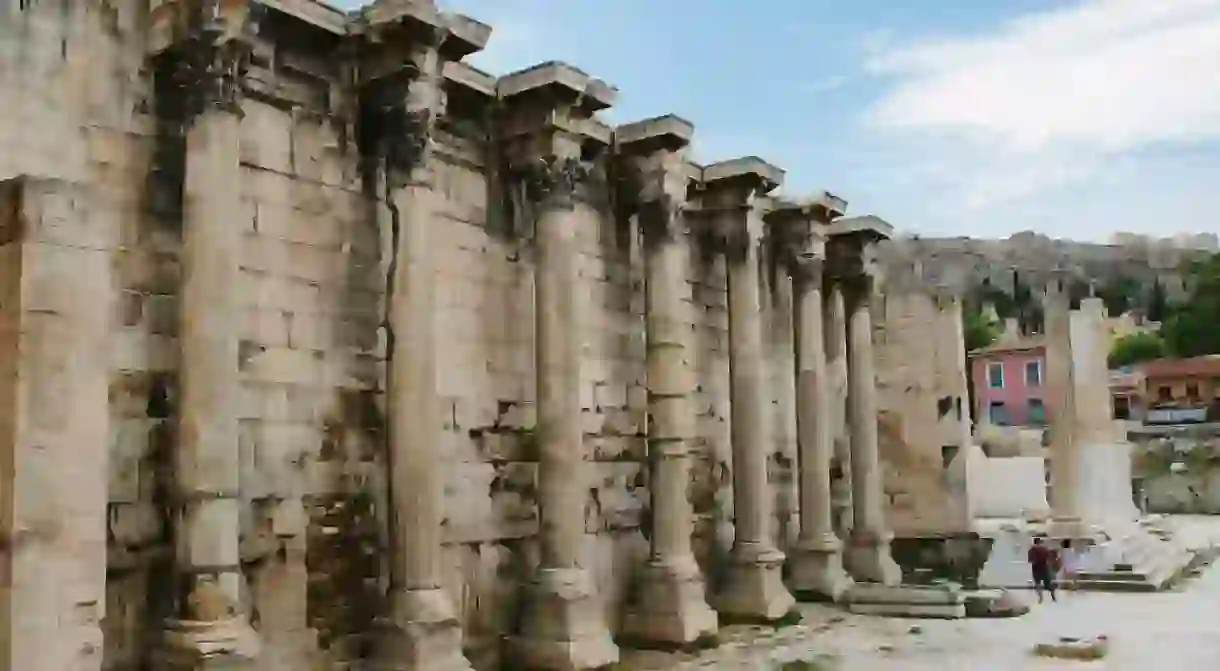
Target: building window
(1037, 412)
(1033, 373)
(1164, 393)
(1122, 407)
(997, 413)
(1192, 391)
(995, 375)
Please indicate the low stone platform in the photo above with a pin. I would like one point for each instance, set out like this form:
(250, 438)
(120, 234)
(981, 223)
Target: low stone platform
(920, 601)
(1132, 557)
(1138, 561)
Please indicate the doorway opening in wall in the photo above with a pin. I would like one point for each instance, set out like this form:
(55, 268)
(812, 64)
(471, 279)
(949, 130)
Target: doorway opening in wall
(997, 412)
(1036, 412)
(1122, 407)
(947, 454)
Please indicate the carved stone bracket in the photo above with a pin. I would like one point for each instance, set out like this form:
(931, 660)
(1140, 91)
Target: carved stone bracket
(552, 182)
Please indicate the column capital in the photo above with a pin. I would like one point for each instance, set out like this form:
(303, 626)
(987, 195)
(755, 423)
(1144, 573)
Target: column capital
(204, 47)
(401, 77)
(550, 134)
(800, 230)
(731, 197)
(852, 253)
(657, 173)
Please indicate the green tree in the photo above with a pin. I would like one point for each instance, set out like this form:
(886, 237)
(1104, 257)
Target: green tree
(979, 331)
(1119, 295)
(1193, 328)
(1158, 302)
(1136, 348)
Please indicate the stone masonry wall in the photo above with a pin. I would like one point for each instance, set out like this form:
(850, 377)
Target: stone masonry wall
(921, 393)
(313, 353)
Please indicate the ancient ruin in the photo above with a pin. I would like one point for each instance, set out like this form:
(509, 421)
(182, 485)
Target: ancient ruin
(323, 349)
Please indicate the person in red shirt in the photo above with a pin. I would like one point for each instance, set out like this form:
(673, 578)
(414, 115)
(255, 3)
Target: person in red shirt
(1043, 563)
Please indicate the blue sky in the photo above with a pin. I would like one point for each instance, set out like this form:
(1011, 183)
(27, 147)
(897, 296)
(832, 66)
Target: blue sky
(1075, 118)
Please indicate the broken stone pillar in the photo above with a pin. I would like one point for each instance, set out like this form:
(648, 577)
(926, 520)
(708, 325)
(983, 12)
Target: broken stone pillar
(753, 588)
(56, 300)
(852, 251)
(422, 631)
(1060, 401)
(815, 563)
(671, 608)
(211, 629)
(549, 113)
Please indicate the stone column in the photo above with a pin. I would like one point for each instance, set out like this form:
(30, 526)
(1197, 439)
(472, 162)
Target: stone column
(835, 331)
(422, 631)
(815, 563)
(211, 630)
(563, 626)
(671, 607)
(754, 588)
(868, 554)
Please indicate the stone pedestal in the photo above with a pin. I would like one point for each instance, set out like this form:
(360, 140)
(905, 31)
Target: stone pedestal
(422, 633)
(224, 645)
(754, 588)
(671, 609)
(563, 626)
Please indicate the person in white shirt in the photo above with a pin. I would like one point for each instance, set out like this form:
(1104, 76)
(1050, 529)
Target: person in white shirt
(1070, 561)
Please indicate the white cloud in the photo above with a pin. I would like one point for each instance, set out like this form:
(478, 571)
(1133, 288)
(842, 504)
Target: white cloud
(1071, 97)
(1111, 74)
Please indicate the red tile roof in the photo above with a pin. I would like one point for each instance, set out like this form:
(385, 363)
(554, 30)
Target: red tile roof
(1025, 344)
(1200, 366)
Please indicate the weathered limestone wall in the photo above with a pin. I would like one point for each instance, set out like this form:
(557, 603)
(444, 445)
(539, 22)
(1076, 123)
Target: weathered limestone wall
(924, 412)
(95, 268)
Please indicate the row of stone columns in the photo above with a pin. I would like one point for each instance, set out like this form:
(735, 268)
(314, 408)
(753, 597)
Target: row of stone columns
(563, 626)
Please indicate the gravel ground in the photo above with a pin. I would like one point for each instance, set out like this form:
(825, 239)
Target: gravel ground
(1169, 631)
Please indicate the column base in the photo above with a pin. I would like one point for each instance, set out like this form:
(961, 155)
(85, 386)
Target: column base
(423, 634)
(672, 608)
(816, 570)
(564, 628)
(754, 588)
(869, 559)
(220, 645)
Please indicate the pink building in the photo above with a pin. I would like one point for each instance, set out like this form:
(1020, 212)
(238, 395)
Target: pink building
(1009, 379)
